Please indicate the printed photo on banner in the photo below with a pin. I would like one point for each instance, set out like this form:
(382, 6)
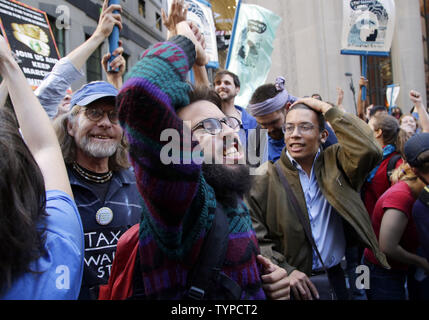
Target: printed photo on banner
(200, 12)
(30, 38)
(368, 25)
(252, 44)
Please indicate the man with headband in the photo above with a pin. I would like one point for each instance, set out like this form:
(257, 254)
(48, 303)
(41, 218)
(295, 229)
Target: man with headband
(268, 105)
(326, 185)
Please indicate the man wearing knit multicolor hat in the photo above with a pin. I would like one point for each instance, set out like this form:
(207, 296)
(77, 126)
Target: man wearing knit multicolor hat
(182, 200)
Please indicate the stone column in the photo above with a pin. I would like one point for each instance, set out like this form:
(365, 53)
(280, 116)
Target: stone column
(407, 52)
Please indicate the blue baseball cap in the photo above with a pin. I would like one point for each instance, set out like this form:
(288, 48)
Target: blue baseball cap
(92, 91)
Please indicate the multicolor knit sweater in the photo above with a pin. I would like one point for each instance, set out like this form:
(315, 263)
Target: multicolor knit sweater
(179, 205)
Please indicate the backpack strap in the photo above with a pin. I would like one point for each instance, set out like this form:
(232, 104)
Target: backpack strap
(207, 275)
(391, 165)
(424, 196)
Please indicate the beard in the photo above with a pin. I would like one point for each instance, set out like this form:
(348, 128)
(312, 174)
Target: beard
(277, 134)
(98, 149)
(228, 183)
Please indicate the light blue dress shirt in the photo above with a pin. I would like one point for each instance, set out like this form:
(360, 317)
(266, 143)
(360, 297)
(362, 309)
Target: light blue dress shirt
(326, 225)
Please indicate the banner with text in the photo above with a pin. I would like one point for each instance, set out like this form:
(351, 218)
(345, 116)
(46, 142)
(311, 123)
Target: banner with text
(30, 38)
(249, 55)
(368, 26)
(200, 12)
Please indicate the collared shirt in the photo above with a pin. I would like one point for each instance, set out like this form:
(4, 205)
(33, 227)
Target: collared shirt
(248, 136)
(326, 225)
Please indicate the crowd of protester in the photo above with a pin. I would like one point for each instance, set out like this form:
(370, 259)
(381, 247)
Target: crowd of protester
(93, 207)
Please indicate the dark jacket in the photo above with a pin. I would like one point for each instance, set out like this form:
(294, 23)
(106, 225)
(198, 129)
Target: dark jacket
(340, 170)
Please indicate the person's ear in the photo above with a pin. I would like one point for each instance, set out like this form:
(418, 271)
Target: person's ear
(378, 133)
(324, 136)
(70, 129)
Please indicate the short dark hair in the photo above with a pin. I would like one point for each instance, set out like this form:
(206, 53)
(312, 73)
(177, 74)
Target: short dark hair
(234, 77)
(199, 93)
(319, 97)
(376, 109)
(320, 117)
(264, 92)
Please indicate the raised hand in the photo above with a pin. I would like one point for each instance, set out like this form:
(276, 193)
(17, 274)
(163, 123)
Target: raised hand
(119, 63)
(108, 19)
(178, 13)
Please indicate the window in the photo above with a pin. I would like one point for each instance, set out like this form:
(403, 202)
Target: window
(93, 65)
(142, 8)
(158, 21)
(59, 36)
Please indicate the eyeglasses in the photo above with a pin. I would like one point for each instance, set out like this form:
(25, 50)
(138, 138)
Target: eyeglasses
(304, 128)
(95, 114)
(213, 126)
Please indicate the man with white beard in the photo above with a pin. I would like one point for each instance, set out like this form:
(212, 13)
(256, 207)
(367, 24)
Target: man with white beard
(95, 153)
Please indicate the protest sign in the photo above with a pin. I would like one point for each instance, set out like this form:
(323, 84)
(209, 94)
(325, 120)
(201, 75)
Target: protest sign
(29, 35)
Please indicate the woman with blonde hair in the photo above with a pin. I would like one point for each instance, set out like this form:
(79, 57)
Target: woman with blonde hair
(395, 229)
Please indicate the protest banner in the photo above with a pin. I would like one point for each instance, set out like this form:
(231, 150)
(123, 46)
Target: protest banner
(200, 12)
(29, 35)
(249, 55)
(368, 28)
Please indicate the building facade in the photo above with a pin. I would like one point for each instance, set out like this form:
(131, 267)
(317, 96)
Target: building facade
(308, 44)
(73, 21)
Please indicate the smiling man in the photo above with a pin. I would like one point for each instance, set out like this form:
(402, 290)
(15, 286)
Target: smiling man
(254, 140)
(326, 183)
(183, 201)
(94, 150)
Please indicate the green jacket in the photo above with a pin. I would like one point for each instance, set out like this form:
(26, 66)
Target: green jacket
(340, 170)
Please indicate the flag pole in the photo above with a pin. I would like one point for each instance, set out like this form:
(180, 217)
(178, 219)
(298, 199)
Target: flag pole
(234, 27)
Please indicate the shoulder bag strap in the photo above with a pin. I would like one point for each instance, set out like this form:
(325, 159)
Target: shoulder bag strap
(210, 261)
(298, 212)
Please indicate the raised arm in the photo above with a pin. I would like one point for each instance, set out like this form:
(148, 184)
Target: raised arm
(34, 124)
(67, 70)
(416, 99)
(362, 105)
(154, 89)
(178, 13)
(358, 151)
